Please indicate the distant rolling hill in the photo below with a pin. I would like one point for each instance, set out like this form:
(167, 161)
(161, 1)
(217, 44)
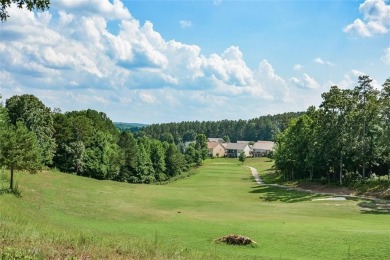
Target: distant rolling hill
(133, 127)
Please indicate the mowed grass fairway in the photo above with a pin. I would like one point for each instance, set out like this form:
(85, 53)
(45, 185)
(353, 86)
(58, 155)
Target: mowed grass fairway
(61, 215)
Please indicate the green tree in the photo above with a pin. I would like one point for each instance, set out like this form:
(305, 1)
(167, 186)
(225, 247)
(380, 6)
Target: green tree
(192, 155)
(144, 169)
(129, 150)
(385, 137)
(3, 115)
(345, 139)
(157, 156)
(338, 109)
(367, 119)
(102, 157)
(76, 156)
(167, 137)
(201, 145)
(174, 160)
(41, 5)
(38, 119)
(88, 145)
(242, 157)
(19, 150)
(189, 135)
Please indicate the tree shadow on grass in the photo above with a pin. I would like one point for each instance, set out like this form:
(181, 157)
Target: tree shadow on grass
(375, 212)
(15, 192)
(374, 208)
(272, 193)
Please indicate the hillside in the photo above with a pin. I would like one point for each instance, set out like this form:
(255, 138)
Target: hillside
(133, 127)
(62, 216)
(261, 128)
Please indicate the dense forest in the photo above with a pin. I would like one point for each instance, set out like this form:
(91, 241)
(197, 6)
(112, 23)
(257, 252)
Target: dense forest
(88, 143)
(262, 128)
(85, 143)
(346, 139)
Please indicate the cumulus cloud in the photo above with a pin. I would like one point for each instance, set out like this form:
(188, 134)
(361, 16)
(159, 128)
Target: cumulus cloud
(274, 85)
(298, 67)
(185, 24)
(115, 10)
(376, 19)
(386, 56)
(71, 58)
(323, 62)
(306, 82)
(350, 80)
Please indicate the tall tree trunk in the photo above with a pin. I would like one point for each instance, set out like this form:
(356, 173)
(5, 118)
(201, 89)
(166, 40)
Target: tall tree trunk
(364, 170)
(11, 184)
(388, 172)
(311, 173)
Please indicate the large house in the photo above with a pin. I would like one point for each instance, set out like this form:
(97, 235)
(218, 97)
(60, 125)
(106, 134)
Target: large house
(262, 148)
(235, 149)
(216, 149)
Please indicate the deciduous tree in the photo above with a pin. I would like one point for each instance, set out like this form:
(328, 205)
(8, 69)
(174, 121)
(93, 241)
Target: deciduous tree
(29, 110)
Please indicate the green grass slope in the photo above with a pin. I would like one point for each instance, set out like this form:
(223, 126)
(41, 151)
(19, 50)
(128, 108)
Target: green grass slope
(64, 216)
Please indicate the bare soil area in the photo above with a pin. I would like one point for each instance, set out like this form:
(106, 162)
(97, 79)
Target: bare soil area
(317, 188)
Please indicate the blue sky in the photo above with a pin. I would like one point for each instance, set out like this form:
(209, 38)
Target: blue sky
(170, 61)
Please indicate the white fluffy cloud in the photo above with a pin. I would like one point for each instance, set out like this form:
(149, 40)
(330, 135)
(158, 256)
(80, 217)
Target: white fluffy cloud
(298, 67)
(305, 82)
(386, 56)
(71, 59)
(323, 62)
(350, 80)
(115, 10)
(376, 19)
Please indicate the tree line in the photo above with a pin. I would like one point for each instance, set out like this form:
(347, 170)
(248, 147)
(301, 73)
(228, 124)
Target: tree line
(86, 143)
(261, 128)
(346, 139)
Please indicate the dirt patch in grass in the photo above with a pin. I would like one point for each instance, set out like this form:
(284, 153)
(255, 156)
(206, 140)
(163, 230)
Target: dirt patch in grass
(236, 240)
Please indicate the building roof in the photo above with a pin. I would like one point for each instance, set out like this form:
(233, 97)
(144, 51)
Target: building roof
(236, 146)
(212, 145)
(263, 145)
(217, 140)
(243, 142)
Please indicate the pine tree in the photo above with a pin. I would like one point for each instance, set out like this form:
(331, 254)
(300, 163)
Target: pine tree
(19, 150)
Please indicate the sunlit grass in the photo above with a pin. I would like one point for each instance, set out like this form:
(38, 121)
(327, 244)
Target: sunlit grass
(63, 216)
